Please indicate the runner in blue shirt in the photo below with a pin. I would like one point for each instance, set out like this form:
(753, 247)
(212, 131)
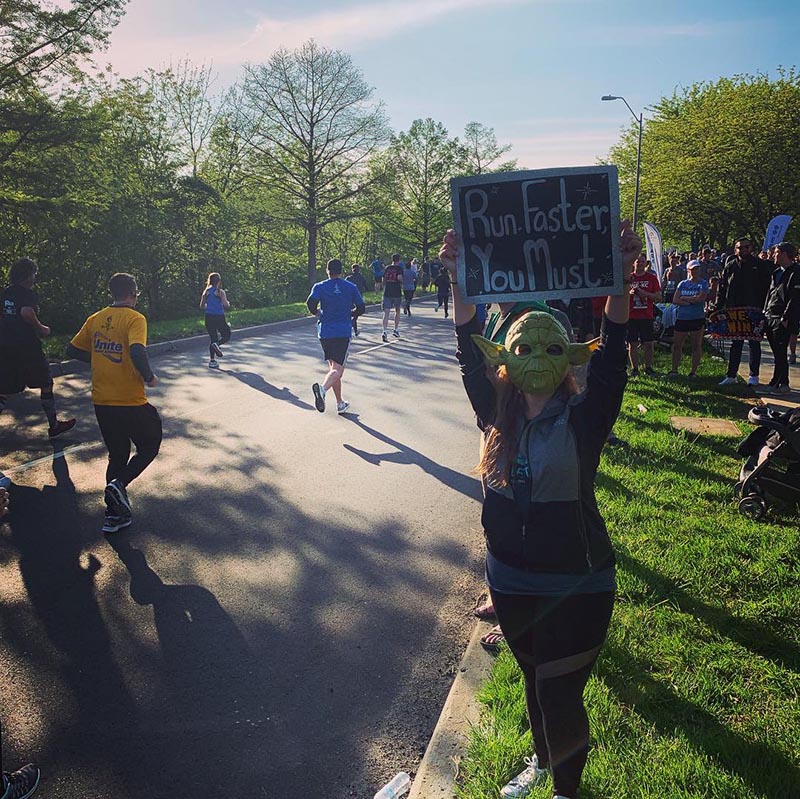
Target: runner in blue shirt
(377, 271)
(333, 302)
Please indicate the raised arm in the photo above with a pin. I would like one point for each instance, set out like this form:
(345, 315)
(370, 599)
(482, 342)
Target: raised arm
(618, 306)
(463, 310)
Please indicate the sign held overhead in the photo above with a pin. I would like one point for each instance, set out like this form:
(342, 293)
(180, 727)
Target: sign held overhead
(539, 234)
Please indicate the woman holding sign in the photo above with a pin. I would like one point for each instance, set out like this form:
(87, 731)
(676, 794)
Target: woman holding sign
(549, 560)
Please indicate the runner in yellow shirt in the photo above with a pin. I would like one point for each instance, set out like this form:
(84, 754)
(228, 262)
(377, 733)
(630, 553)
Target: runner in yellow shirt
(114, 341)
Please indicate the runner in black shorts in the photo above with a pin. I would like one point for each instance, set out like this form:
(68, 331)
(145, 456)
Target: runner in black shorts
(334, 302)
(22, 361)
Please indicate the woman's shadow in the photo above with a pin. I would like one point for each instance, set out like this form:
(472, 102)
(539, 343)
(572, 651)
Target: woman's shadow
(209, 673)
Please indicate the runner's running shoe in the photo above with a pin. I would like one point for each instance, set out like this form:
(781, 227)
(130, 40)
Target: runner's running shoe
(212, 364)
(319, 397)
(396, 333)
(217, 350)
(116, 498)
(21, 784)
(113, 524)
(384, 337)
(341, 407)
(61, 426)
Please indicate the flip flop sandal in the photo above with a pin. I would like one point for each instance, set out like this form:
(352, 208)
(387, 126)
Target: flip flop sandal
(484, 611)
(492, 640)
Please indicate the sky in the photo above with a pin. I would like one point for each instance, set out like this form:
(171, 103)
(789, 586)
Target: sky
(534, 70)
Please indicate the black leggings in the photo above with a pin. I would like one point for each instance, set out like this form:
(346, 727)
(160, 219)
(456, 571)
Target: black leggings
(409, 295)
(219, 331)
(122, 425)
(442, 299)
(778, 337)
(556, 641)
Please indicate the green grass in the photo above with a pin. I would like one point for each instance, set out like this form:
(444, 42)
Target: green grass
(696, 692)
(169, 330)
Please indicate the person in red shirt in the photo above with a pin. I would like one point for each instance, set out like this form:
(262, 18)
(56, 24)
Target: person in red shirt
(645, 290)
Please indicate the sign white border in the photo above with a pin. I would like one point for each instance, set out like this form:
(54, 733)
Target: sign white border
(457, 184)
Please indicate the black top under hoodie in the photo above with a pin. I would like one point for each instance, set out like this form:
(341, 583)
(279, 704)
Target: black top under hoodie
(553, 534)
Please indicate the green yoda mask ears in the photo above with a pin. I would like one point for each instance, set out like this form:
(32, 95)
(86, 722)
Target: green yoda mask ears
(537, 353)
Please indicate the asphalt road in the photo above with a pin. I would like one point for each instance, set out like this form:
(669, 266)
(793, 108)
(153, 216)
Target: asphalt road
(284, 617)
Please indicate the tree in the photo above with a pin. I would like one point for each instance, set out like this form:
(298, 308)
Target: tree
(719, 160)
(314, 125)
(35, 39)
(482, 152)
(415, 205)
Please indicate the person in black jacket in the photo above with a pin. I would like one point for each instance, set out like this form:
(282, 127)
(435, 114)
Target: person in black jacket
(782, 309)
(549, 561)
(744, 284)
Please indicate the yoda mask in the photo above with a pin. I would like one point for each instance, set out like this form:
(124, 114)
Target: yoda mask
(537, 353)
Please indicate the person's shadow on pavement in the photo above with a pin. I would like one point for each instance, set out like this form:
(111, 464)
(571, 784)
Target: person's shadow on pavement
(209, 673)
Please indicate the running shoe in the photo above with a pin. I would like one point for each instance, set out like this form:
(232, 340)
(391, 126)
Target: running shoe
(319, 397)
(782, 389)
(61, 426)
(341, 407)
(217, 350)
(212, 364)
(113, 524)
(727, 381)
(649, 371)
(396, 333)
(752, 380)
(384, 336)
(21, 784)
(116, 498)
(525, 781)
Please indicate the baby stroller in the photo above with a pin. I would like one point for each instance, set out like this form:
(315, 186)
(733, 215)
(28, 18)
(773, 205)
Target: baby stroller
(772, 468)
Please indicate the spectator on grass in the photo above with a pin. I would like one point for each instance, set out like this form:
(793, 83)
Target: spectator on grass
(690, 297)
(744, 284)
(551, 579)
(644, 292)
(782, 309)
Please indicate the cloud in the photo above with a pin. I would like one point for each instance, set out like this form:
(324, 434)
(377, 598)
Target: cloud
(351, 27)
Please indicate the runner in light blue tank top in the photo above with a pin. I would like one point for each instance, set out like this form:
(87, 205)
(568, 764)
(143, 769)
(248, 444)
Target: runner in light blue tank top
(214, 302)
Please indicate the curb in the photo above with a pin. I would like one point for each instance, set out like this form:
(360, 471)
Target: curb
(436, 774)
(73, 367)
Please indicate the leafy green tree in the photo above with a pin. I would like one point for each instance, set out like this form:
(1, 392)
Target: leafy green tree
(414, 208)
(314, 125)
(38, 40)
(719, 160)
(482, 153)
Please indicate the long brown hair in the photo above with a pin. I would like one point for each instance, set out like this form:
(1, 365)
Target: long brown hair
(214, 279)
(500, 446)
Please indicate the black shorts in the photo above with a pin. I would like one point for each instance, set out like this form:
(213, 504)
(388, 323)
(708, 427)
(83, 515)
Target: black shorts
(21, 368)
(335, 349)
(689, 325)
(640, 330)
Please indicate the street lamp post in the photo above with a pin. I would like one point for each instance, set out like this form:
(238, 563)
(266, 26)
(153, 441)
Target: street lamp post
(638, 153)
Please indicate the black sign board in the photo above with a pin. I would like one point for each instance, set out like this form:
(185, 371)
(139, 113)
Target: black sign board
(540, 234)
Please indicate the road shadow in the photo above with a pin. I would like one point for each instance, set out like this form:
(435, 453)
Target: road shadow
(402, 454)
(209, 672)
(62, 636)
(257, 382)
